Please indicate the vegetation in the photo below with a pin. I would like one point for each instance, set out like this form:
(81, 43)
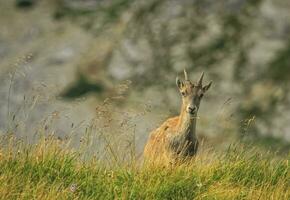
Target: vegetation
(47, 170)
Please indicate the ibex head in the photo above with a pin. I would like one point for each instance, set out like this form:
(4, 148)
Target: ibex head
(192, 93)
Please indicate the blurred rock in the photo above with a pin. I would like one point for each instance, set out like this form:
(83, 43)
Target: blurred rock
(81, 4)
(150, 43)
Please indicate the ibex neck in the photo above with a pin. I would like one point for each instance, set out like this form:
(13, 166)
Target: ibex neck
(187, 124)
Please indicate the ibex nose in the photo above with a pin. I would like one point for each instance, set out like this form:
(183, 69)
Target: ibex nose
(191, 109)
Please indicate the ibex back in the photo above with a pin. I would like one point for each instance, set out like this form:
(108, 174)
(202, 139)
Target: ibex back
(176, 137)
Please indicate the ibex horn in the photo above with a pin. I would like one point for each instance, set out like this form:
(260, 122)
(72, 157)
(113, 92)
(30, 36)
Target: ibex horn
(200, 79)
(185, 75)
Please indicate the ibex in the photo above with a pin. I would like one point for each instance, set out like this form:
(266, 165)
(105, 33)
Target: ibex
(176, 137)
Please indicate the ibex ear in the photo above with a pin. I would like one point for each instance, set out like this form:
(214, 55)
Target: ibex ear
(179, 83)
(206, 87)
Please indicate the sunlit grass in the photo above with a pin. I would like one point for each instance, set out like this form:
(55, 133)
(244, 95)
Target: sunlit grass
(46, 170)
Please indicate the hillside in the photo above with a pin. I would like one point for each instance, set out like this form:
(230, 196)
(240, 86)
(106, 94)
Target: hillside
(84, 82)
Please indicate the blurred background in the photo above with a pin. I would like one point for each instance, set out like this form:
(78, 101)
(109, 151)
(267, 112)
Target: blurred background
(64, 63)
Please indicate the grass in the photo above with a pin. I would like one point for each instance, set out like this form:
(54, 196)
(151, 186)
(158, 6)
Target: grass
(47, 170)
(50, 169)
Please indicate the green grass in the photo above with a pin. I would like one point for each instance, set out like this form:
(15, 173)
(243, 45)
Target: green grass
(46, 170)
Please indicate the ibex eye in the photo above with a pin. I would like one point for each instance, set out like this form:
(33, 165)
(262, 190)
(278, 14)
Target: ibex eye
(183, 93)
(201, 95)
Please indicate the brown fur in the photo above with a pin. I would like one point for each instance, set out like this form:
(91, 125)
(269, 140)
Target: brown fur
(156, 145)
(176, 137)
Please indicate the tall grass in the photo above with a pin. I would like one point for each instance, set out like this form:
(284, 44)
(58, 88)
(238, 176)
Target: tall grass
(104, 165)
(47, 170)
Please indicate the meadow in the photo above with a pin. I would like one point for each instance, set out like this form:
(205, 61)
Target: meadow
(49, 170)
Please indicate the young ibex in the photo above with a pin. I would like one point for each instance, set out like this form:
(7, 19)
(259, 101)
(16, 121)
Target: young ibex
(176, 137)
